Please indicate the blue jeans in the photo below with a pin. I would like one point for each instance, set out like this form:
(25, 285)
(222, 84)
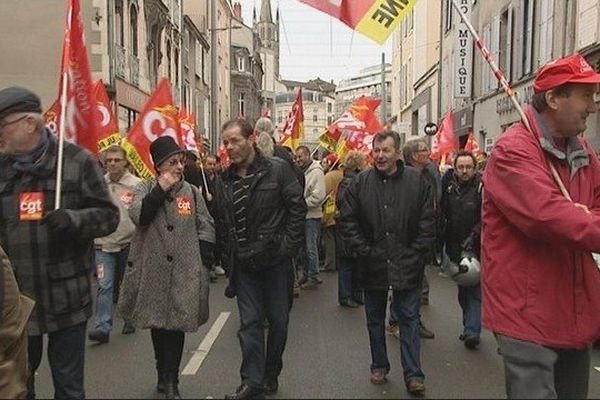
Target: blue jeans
(469, 298)
(407, 305)
(313, 235)
(263, 293)
(107, 267)
(66, 353)
(345, 290)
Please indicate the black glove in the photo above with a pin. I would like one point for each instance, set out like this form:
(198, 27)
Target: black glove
(58, 221)
(207, 253)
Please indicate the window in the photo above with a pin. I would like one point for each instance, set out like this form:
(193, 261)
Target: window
(205, 65)
(315, 114)
(587, 29)
(546, 30)
(198, 58)
(186, 48)
(169, 59)
(506, 35)
(242, 104)
(133, 29)
(241, 63)
(329, 107)
(119, 24)
(526, 36)
(569, 37)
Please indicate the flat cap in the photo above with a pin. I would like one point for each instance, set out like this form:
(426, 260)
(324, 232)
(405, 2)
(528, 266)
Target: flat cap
(18, 99)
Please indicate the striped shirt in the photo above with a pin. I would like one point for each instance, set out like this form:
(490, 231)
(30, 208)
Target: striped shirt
(241, 195)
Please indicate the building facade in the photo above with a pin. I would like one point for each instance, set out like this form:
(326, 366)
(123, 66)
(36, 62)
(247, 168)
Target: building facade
(318, 98)
(246, 70)
(366, 83)
(416, 67)
(522, 35)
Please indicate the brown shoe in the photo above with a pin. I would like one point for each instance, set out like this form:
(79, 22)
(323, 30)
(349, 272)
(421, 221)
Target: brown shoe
(309, 284)
(378, 377)
(416, 387)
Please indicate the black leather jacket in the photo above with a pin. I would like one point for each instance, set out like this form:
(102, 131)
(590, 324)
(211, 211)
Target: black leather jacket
(276, 215)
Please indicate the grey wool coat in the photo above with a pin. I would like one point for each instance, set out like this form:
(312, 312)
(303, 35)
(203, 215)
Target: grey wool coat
(165, 284)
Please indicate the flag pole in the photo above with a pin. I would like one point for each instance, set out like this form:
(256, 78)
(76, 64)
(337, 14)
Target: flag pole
(61, 139)
(509, 92)
(204, 176)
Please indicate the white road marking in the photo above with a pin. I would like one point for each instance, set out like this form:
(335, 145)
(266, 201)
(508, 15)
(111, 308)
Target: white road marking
(202, 351)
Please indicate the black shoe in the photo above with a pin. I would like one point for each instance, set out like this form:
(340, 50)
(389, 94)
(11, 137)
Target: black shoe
(424, 332)
(349, 303)
(471, 342)
(161, 384)
(172, 389)
(271, 386)
(128, 329)
(98, 336)
(246, 392)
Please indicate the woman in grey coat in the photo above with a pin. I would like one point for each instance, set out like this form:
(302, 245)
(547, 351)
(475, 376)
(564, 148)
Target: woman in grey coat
(165, 287)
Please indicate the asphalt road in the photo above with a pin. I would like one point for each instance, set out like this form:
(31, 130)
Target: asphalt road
(327, 355)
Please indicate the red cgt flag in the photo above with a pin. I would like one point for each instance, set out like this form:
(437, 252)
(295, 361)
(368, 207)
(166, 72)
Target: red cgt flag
(108, 129)
(472, 145)
(444, 141)
(293, 130)
(80, 119)
(158, 118)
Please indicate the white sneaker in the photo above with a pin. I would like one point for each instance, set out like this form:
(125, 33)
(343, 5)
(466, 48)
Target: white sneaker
(219, 270)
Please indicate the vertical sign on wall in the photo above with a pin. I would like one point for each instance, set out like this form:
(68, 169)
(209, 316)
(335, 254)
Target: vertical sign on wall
(463, 55)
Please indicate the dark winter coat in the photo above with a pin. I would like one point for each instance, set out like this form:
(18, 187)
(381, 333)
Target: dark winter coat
(461, 211)
(389, 222)
(275, 214)
(349, 175)
(54, 270)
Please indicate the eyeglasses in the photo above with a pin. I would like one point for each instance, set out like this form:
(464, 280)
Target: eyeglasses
(14, 121)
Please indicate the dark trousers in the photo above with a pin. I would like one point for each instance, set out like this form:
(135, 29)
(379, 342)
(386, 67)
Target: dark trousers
(168, 349)
(407, 305)
(66, 353)
(469, 298)
(533, 371)
(263, 293)
(348, 280)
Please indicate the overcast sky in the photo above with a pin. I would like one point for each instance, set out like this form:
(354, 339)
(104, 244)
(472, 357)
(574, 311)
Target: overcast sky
(314, 45)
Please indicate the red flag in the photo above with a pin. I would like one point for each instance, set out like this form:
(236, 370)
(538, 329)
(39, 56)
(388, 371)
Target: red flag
(376, 19)
(187, 124)
(224, 157)
(108, 129)
(293, 130)
(444, 141)
(80, 118)
(158, 118)
(472, 145)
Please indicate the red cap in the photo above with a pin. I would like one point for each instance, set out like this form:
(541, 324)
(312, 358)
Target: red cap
(571, 69)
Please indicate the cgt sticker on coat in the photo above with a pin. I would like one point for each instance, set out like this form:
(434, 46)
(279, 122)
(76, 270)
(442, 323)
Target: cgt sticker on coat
(184, 205)
(31, 206)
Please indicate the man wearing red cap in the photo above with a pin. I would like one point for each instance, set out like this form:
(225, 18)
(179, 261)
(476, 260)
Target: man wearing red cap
(541, 287)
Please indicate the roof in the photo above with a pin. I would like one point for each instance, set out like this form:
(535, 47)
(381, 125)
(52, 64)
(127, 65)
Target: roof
(265, 11)
(317, 85)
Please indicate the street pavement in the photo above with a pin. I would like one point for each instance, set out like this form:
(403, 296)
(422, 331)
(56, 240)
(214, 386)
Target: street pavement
(327, 355)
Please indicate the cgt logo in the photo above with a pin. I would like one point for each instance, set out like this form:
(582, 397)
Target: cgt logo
(184, 206)
(31, 206)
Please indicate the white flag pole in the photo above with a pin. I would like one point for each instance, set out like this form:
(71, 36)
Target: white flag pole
(61, 139)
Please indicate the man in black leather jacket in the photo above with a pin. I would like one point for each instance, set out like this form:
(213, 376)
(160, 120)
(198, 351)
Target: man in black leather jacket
(386, 217)
(259, 217)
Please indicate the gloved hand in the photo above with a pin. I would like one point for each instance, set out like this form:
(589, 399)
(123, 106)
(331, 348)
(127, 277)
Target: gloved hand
(207, 253)
(58, 221)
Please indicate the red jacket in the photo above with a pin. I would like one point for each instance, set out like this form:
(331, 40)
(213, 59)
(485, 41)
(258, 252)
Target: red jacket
(539, 281)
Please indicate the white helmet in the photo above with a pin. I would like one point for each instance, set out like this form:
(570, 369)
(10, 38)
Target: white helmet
(467, 271)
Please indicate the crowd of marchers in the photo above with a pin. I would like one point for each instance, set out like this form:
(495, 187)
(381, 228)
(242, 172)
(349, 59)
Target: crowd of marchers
(516, 232)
